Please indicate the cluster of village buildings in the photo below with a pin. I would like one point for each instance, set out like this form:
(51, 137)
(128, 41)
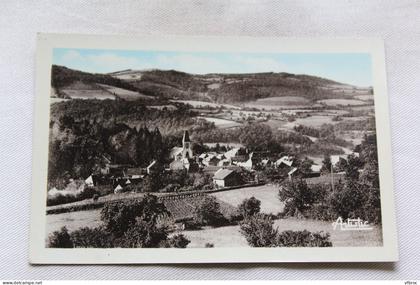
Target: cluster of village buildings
(225, 168)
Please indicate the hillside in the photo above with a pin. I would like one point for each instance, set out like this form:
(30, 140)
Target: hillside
(218, 88)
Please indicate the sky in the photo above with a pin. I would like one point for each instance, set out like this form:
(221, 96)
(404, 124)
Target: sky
(351, 68)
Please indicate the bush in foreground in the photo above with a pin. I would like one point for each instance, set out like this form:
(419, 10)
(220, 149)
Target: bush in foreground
(176, 241)
(303, 239)
(60, 239)
(136, 223)
(250, 207)
(259, 232)
(208, 213)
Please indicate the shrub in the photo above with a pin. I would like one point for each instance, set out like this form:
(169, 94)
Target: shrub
(209, 245)
(320, 212)
(192, 225)
(208, 212)
(91, 237)
(59, 199)
(298, 197)
(95, 197)
(258, 230)
(60, 239)
(303, 239)
(119, 216)
(177, 241)
(250, 207)
(142, 234)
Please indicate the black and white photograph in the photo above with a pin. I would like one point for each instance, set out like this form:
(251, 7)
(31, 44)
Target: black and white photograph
(199, 148)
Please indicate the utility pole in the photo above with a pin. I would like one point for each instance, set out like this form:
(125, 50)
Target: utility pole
(332, 177)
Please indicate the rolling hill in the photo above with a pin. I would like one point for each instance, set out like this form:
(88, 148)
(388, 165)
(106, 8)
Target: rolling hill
(218, 88)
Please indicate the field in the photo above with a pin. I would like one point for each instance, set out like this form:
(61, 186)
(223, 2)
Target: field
(364, 97)
(344, 102)
(73, 220)
(124, 93)
(279, 103)
(221, 123)
(231, 237)
(267, 194)
(312, 121)
(88, 94)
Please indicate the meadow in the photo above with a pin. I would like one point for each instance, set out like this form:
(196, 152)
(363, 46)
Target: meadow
(230, 236)
(343, 102)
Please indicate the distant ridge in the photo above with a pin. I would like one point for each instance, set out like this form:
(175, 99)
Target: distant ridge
(214, 87)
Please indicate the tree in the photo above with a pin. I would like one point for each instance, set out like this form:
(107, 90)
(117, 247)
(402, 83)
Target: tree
(60, 239)
(119, 216)
(326, 165)
(256, 136)
(352, 168)
(143, 234)
(249, 207)
(303, 239)
(306, 165)
(258, 230)
(208, 212)
(177, 241)
(297, 197)
(91, 237)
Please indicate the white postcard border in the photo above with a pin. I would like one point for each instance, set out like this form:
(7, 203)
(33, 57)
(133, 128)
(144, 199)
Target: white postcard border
(39, 254)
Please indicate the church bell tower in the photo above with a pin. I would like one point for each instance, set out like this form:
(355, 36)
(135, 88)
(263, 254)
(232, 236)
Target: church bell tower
(186, 146)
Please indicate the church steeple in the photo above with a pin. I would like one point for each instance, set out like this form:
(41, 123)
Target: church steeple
(186, 137)
(186, 146)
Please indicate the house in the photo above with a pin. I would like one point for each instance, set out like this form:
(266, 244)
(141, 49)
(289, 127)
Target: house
(316, 168)
(232, 153)
(190, 164)
(211, 170)
(118, 189)
(247, 164)
(202, 156)
(135, 172)
(250, 163)
(336, 158)
(106, 161)
(226, 178)
(176, 165)
(266, 162)
(292, 172)
(211, 159)
(153, 167)
(176, 153)
(285, 160)
(89, 181)
(224, 162)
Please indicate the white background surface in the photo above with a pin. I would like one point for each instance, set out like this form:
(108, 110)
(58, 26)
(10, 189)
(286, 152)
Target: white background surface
(398, 22)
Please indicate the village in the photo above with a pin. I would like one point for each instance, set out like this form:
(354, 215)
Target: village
(234, 167)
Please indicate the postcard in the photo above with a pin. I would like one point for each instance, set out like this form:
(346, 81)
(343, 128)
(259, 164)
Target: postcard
(170, 149)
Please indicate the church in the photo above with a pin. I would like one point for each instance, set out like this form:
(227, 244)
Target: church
(183, 157)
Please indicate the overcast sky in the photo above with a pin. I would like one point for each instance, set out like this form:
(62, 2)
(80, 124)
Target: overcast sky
(354, 68)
